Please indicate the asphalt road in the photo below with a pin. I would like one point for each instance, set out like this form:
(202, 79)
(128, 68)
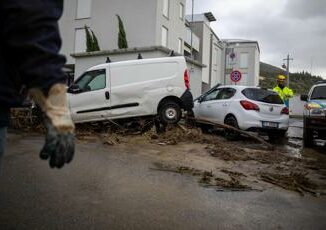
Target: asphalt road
(109, 188)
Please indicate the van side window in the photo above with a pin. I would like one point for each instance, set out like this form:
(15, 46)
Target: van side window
(92, 80)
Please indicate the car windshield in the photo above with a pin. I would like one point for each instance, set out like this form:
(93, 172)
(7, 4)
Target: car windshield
(262, 95)
(319, 93)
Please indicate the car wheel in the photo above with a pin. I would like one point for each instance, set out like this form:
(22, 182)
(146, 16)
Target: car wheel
(277, 137)
(308, 140)
(170, 113)
(308, 136)
(231, 134)
(205, 128)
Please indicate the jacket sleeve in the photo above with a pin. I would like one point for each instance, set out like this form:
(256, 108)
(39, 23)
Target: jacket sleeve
(290, 92)
(31, 42)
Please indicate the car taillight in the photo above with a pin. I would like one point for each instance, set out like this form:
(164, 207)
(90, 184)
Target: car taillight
(247, 105)
(285, 110)
(186, 79)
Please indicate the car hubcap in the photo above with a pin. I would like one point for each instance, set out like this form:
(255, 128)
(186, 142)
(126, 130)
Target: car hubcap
(170, 113)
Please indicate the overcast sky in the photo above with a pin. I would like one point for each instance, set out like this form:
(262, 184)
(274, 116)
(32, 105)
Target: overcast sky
(297, 27)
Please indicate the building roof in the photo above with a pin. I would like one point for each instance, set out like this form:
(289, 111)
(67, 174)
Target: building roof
(204, 17)
(243, 41)
(210, 16)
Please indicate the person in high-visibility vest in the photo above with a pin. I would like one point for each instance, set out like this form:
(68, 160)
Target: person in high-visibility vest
(284, 92)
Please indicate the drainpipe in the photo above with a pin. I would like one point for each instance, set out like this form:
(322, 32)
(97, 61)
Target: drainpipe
(224, 66)
(210, 61)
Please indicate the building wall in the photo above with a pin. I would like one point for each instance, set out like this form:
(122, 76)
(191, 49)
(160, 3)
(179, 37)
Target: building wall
(216, 64)
(176, 26)
(250, 74)
(138, 17)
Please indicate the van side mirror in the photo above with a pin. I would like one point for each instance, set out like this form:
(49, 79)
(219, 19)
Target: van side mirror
(74, 89)
(304, 97)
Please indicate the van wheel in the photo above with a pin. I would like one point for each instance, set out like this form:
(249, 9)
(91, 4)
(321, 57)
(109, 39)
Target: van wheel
(231, 135)
(170, 113)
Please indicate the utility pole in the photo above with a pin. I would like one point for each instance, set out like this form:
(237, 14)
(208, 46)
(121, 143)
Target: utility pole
(288, 59)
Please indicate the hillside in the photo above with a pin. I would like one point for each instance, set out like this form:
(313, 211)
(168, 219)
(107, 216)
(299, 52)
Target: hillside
(299, 82)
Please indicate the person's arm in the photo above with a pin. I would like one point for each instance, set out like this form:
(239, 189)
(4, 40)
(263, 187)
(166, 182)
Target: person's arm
(31, 41)
(288, 93)
(30, 45)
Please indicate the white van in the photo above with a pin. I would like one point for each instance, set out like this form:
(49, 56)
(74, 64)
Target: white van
(136, 88)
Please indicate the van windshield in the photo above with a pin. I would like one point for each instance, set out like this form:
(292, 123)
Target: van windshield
(262, 95)
(319, 93)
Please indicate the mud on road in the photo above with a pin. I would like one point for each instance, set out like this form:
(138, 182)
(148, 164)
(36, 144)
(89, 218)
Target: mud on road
(210, 159)
(214, 162)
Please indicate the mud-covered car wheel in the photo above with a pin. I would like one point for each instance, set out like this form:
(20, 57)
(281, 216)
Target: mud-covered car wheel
(231, 134)
(170, 113)
(308, 139)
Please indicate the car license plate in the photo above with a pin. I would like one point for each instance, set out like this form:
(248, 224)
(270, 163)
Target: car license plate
(269, 124)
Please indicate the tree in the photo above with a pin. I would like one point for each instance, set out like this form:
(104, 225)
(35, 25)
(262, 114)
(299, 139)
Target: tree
(91, 41)
(95, 42)
(122, 39)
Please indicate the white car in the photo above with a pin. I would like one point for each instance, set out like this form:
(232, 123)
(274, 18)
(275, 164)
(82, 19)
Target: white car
(248, 108)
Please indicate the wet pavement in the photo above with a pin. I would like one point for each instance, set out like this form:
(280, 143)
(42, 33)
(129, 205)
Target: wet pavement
(108, 187)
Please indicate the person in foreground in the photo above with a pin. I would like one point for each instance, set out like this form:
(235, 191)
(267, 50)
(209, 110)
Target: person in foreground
(29, 59)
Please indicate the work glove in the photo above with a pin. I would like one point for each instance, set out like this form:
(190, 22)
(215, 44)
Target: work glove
(59, 144)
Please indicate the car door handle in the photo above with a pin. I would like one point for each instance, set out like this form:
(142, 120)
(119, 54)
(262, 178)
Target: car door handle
(225, 104)
(107, 95)
(209, 106)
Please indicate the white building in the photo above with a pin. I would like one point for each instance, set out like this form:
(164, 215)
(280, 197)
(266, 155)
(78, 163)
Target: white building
(146, 22)
(244, 56)
(210, 51)
(154, 28)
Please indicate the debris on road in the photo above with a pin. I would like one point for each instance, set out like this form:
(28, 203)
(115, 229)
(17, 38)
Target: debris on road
(207, 178)
(294, 181)
(215, 162)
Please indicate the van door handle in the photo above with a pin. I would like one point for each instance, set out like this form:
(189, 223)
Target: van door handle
(107, 95)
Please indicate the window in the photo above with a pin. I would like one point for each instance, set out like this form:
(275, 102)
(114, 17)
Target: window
(92, 80)
(83, 8)
(164, 36)
(220, 94)
(225, 93)
(166, 8)
(181, 11)
(244, 60)
(262, 95)
(180, 45)
(212, 95)
(80, 40)
(319, 93)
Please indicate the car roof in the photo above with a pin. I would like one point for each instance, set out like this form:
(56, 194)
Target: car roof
(320, 84)
(240, 87)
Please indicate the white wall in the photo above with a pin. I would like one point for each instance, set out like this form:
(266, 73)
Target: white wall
(138, 16)
(176, 26)
(250, 74)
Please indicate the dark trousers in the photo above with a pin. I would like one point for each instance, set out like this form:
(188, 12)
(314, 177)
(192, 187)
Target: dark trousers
(3, 131)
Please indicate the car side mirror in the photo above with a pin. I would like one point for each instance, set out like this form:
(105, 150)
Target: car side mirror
(304, 97)
(74, 89)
